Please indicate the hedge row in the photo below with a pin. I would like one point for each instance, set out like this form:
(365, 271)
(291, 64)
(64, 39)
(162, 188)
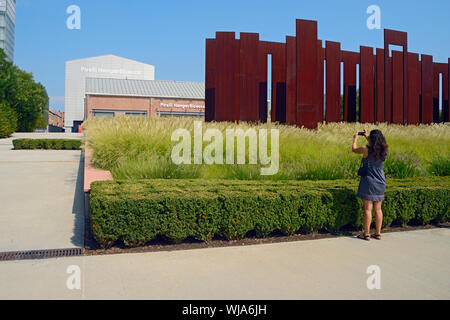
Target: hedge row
(138, 211)
(57, 144)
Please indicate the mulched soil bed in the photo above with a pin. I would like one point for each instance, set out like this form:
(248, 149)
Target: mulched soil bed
(161, 244)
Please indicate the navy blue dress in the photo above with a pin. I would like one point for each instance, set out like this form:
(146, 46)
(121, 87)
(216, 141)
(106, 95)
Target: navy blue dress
(372, 186)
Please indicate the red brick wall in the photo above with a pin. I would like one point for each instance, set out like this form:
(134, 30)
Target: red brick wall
(150, 105)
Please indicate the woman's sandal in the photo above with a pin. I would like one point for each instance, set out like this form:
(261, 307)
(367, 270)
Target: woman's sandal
(364, 236)
(376, 236)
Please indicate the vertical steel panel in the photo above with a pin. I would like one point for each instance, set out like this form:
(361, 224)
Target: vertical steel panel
(320, 80)
(436, 91)
(413, 88)
(225, 81)
(445, 94)
(446, 107)
(427, 89)
(388, 89)
(210, 74)
(278, 103)
(262, 82)
(367, 84)
(307, 101)
(291, 80)
(350, 59)
(236, 49)
(379, 85)
(248, 77)
(333, 81)
(397, 87)
(438, 69)
(397, 38)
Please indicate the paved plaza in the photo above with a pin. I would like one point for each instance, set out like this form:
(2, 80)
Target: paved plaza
(41, 196)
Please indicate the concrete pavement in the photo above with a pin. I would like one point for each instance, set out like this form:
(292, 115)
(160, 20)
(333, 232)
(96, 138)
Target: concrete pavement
(413, 265)
(41, 196)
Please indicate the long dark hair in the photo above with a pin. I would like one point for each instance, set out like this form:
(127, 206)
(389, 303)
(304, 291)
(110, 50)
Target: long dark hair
(378, 146)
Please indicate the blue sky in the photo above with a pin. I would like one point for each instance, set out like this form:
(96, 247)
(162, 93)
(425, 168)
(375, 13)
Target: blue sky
(171, 34)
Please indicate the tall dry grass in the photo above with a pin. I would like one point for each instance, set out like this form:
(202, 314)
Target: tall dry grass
(140, 148)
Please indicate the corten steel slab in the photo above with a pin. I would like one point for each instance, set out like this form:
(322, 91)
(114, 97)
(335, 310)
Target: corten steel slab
(398, 38)
(291, 80)
(379, 86)
(226, 60)
(397, 87)
(333, 81)
(445, 97)
(210, 70)
(320, 80)
(446, 107)
(436, 83)
(248, 77)
(278, 107)
(414, 78)
(440, 69)
(445, 74)
(236, 48)
(427, 89)
(350, 59)
(307, 101)
(388, 86)
(262, 82)
(367, 85)
(388, 90)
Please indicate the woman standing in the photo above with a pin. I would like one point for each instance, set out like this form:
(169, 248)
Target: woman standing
(373, 183)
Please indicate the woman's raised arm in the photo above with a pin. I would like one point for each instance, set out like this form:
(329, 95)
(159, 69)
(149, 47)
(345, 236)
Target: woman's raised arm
(355, 149)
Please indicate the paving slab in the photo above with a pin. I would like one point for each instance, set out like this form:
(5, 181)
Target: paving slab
(41, 196)
(413, 265)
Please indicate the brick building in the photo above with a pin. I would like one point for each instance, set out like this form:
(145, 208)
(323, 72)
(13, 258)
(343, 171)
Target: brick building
(55, 120)
(152, 98)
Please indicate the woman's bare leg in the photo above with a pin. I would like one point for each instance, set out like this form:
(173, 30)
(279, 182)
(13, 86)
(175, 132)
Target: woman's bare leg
(367, 215)
(378, 216)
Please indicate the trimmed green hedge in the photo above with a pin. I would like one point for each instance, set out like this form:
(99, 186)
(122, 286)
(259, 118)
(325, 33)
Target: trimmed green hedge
(56, 144)
(138, 211)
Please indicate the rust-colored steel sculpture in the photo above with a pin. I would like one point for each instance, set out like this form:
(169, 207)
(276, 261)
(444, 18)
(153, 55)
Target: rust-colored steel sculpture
(333, 81)
(414, 88)
(399, 87)
(367, 85)
(291, 81)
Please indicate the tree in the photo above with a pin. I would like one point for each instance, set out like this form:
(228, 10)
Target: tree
(26, 98)
(30, 101)
(8, 120)
(8, 78)
(41, 122)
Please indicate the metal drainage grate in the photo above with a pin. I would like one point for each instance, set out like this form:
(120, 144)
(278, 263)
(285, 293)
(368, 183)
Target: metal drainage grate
(40, 254)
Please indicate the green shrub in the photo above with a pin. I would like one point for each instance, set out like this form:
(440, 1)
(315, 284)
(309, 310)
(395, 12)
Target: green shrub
(136, 212)
(8, 120)
(440, 166)
(403, 165)
(56, 144)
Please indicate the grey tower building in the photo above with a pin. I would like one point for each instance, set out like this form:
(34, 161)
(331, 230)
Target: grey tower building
(7, 25)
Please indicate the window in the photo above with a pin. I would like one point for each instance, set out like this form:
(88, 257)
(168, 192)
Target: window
(102, 114)
(136, 113)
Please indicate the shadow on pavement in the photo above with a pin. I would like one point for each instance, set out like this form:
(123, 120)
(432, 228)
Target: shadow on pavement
(78, 206)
